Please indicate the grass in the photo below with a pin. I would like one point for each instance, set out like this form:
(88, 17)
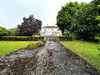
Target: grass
(10, 46)
(37, 36)
(31, 46)
(87, 50)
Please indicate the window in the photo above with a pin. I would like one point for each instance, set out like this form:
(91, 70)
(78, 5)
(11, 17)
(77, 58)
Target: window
(45, 30)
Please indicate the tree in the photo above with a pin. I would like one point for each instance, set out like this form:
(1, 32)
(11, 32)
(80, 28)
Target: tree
(84, 23)
(3, 32)
(14, 32)
(65, 15)
(30, 25)
(98, 17)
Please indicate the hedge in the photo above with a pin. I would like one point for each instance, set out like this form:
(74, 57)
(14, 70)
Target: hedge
(21, 38)
(65, 38)
(32, 38)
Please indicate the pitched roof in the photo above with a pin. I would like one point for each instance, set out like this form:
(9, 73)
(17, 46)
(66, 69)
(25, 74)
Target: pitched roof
(50, 27)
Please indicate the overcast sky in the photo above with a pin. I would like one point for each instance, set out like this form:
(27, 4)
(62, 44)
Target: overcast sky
(12, 11)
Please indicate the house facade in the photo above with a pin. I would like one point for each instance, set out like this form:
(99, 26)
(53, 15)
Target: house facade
(50, 31)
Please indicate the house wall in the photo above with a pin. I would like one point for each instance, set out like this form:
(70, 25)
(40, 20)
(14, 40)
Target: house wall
(50, 32)
(49, 29)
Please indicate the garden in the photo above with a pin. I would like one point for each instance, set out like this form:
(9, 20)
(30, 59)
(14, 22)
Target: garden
(76, 51)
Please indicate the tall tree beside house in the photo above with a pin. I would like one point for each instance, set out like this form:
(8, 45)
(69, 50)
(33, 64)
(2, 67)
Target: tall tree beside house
(84, 24)
(65, 15)
(29, 26)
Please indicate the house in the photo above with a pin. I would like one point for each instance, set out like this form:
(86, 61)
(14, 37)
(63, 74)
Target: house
(50, 31)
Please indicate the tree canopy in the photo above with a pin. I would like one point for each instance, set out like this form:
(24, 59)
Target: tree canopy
(84, 23)
(81, 19)
(30, 25)
(14, 32)
(65, 15)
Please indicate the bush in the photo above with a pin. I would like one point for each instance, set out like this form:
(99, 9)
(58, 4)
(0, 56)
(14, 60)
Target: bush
(97, 38)
(43, 40)
(37, 36)
(31, 46)
(3, 32)
(21, 38)
(14, 32)
(65, 39)
(68, 35)
(40, 43)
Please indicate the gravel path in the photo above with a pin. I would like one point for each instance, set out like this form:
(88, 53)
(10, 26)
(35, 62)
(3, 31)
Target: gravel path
(19, 62)
(59, 60)
(51, 59)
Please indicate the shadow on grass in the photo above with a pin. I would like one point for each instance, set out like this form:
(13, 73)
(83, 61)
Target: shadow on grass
(99, 55)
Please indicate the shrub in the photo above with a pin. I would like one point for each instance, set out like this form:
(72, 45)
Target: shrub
(31, 46)
(14, 32)
(97, 38)
(40, 43)
(43, 40)
(65, 39)
(37, 36)
(68, 35)
(3, 32)
(21, 38)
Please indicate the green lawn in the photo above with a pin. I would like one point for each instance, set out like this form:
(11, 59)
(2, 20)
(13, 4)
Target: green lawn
(87, 50)
(9, 46)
